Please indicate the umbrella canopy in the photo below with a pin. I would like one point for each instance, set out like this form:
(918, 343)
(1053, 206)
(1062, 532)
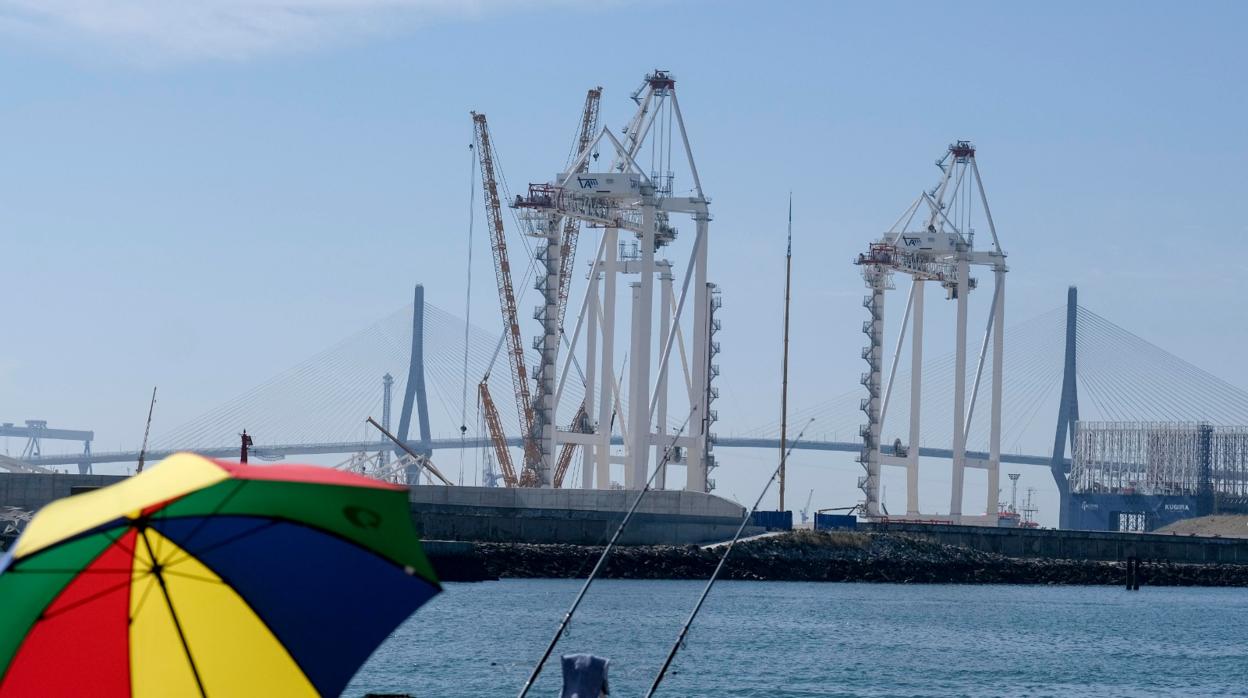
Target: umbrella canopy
(201, 577)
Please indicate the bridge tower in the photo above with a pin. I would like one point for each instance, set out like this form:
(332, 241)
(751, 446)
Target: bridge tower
(414, 392)
(387, 385)
(933, 240)
(1067, 410)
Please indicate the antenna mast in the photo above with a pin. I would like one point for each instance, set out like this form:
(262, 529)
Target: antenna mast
(784, 380)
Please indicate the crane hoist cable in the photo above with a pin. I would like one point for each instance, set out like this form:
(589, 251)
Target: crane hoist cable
(463, 404)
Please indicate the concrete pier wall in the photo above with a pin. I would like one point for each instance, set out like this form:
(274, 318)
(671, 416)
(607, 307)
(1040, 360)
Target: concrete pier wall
(1077, 545)
(584, 517)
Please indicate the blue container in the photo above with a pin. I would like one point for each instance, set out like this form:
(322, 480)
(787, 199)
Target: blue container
(773, 520)
(835, 522)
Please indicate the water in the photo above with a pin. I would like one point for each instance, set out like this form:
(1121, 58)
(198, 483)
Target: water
(820, 639)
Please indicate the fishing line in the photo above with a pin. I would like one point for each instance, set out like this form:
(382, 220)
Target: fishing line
(567, 617)
(684, 630)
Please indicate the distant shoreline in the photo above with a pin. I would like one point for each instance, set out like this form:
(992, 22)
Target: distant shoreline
(810, 556)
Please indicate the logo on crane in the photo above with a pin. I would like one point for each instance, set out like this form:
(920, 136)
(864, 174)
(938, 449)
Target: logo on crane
(911, 241)
(587, 182)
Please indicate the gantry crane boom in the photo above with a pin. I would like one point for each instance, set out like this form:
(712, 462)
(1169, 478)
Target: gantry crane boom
(506, 295)
(571, 230)
(495, 427)
(571, 226)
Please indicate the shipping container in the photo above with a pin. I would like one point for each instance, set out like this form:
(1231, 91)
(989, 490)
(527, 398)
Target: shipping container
(833, 522)
(773, 520)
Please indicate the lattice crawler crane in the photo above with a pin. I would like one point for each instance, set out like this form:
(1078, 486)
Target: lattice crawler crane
(507, 302)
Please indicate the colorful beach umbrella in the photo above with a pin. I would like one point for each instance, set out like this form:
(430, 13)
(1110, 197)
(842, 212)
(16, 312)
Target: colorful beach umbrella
(202, 577)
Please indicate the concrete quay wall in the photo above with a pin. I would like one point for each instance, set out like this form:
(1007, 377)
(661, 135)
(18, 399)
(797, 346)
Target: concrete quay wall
(32, 491)
(495, 514)
(1077, 545)
(581, 517)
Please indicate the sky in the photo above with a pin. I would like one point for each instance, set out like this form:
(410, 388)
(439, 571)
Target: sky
(200, 195)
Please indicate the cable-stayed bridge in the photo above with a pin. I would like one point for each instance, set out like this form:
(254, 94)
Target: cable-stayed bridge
(320, 405)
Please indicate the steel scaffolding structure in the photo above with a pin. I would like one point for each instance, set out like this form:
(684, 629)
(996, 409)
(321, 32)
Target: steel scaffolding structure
(1160, 458)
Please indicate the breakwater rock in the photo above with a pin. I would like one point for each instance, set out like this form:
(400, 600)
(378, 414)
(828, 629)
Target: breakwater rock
(815, 556)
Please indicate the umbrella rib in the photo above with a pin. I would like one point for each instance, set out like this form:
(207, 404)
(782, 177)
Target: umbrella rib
(85, 600)
(187, 554)
(164, 513)
(177, 624)
(142, 599)
(19, 565)
(184, 575)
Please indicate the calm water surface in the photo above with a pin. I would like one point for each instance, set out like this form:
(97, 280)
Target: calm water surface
(813, 639)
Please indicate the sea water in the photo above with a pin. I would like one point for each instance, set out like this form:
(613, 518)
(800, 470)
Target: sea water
(826, 639)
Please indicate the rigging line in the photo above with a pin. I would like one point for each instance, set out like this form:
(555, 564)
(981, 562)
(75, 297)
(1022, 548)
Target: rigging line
(1186, 367)
(567, 617)
(1092, 391)
(1028, 413)
(472, 199)
(1132, 386)
(684, 630)
(1224, 396)
(1093, 349)
(1021, 430)
(1100, 396)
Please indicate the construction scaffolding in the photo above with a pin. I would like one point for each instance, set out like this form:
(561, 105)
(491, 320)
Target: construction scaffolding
(1160, 458)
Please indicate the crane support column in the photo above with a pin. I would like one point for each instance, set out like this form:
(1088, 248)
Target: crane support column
(916, 399)
(699, 420)
(869, 458)
(548, 343)
(639, 393)
(994, 435)
(959, 389)
(665, 328)
(589, 451)
(630, 455)
(606, 405)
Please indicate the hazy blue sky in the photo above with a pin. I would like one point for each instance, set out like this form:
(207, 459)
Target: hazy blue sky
(197, 195)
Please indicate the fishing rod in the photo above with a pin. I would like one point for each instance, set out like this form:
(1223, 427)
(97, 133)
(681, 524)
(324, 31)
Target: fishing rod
(684, 630)
(146, 430)
(567, 617)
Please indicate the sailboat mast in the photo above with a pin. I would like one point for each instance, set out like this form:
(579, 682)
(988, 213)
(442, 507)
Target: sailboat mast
(784, 371)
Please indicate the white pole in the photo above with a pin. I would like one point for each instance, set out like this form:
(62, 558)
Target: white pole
(959, 391)
(630, 445)
(639, 409)
(665, 328)
(696, 453)
(998, 353)
(607, 381)
(916, 391)
(591, 365)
